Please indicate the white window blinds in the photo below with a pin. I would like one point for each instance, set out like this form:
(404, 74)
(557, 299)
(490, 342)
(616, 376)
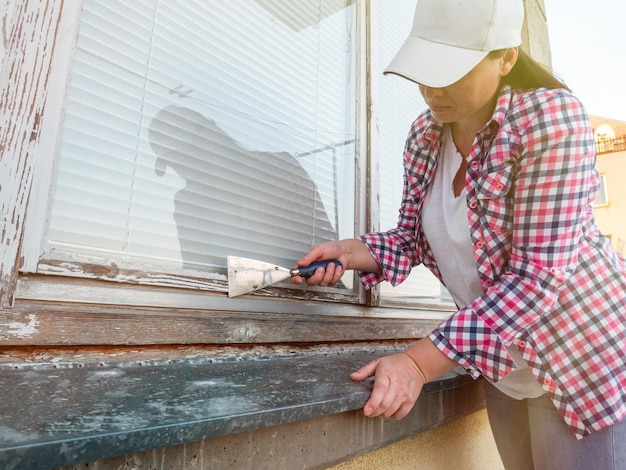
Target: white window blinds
(194, 130)
(400, 104)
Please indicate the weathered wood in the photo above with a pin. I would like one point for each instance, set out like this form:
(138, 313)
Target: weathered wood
(50, 324)
(29, 29)
(135, 274)
(60, 310)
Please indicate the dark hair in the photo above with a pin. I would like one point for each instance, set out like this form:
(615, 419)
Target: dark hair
(528, 74)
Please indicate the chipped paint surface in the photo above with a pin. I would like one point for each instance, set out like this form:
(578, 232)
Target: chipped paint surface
(20, 329)
(29, 29)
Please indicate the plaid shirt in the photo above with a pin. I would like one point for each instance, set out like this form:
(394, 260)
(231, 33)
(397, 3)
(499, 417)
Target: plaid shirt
(553, 286)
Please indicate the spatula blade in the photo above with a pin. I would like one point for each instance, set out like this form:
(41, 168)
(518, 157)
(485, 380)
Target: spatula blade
(247, 275)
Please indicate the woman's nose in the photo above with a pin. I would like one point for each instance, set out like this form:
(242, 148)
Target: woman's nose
(428, 92)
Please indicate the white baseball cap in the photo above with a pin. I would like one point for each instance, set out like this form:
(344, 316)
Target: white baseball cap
(450, 37)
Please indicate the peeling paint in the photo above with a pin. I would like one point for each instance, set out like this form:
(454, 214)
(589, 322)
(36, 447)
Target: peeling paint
(23, 330)
(28, 28)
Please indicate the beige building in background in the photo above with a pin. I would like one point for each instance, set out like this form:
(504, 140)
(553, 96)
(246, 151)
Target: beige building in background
(610, 206)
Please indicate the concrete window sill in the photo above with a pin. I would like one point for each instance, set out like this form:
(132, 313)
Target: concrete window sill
(58, 414)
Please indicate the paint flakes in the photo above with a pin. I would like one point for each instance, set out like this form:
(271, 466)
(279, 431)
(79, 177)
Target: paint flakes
(20, 329)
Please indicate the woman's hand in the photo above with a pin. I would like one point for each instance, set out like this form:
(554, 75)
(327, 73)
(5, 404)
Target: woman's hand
(330, 275)
(352, 253)
(399, 378)
(398, 383)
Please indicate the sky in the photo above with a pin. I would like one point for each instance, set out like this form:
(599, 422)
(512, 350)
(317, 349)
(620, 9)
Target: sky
(588, 45)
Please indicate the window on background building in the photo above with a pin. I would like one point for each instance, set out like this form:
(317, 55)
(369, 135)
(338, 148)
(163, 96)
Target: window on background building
(602, 199)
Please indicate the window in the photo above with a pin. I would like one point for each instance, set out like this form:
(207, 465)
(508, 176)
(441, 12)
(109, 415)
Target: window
(197, 130)
(194, 130)
(602, 199)
(401, 103)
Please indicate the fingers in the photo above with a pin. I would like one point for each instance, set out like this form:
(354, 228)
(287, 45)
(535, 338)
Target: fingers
(381, 387)
(315, 254)
(364, 372)
(376, 404)
(322, 277)
(326, 277)
(403, 411)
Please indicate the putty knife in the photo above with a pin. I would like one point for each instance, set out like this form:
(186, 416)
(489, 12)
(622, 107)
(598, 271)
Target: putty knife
(247, 275)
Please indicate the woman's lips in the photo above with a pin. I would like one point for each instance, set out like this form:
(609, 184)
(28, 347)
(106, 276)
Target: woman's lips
(439, 108)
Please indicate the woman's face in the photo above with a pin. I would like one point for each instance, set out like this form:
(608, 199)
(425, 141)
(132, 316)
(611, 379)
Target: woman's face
(471, 98)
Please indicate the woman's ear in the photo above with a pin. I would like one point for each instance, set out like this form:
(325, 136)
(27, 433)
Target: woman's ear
(509, 58)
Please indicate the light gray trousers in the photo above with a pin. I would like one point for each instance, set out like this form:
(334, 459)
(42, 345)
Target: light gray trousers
(531, 435)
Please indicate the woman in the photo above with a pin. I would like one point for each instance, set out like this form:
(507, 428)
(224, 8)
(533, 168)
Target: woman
(499, 182)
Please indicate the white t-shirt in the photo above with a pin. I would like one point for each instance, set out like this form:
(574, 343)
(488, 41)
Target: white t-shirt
(445, 223)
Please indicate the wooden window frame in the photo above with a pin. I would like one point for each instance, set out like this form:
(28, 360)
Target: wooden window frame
(65, 301)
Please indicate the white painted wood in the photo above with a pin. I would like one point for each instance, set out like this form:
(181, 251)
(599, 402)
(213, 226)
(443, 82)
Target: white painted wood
(68, 290)
(37, 215)
(29, 29)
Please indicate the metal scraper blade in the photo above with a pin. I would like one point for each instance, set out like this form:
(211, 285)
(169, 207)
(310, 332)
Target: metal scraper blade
(247, 275)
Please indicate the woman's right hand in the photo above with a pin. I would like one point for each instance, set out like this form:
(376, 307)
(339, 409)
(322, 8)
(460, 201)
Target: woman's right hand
(332, 273)
(352, 253)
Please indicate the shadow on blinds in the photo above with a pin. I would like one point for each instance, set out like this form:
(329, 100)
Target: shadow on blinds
(235, 201)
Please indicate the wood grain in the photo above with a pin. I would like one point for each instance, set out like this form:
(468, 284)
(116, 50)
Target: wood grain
(59, 324)
(29, 29)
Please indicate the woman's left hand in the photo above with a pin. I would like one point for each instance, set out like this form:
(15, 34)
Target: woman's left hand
(399, 378)
(398, 383)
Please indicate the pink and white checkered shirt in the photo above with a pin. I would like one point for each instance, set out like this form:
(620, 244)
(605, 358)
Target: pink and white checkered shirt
(553, 286)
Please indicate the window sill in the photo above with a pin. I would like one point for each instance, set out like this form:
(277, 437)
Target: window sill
(67, 413)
